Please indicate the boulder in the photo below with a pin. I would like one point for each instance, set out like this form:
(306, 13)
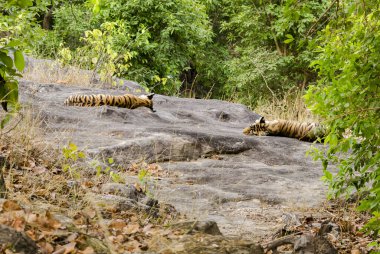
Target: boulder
(214, 171)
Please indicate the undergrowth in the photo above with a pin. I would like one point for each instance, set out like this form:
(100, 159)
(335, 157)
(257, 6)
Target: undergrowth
(22, 143)
(53, 195)
(52, 71)
(289, 107)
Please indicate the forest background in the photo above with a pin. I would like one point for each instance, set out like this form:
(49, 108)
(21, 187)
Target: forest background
(248, 51)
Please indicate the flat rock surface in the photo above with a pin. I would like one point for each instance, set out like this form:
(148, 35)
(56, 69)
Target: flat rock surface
(243, 183)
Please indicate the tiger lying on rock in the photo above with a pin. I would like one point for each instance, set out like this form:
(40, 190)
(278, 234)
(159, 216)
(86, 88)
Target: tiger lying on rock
(123, 101)
(302, 131)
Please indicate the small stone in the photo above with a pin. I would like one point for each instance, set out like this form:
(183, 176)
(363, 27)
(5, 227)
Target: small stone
(121, 190)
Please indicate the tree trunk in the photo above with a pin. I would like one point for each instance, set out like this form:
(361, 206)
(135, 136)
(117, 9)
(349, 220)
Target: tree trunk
(3, 189)
(47, 23)
(3, 103)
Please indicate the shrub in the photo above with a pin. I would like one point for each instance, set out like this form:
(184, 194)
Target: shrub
(347, 97)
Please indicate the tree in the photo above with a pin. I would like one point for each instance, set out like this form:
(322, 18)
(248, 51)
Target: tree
(268, 44)
(347, 96)
(10, 66)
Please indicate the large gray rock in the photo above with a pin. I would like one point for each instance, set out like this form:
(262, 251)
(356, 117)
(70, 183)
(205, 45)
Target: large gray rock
(243, 183)
(181, 129)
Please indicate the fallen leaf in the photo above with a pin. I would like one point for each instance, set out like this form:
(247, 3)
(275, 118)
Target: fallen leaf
(72, 237)
(66, 249)
(52, 222)
(46, 247)
(88, 250)
(18, 223)
(138, 187)
(90, 213)
(31, 234)
(31, 218)
(70, 247)
(119, 239)
(131, 228)
(87, 184)
(133, 246)
(59, 251)
(40, 170)
(10, 205)
(117, 224)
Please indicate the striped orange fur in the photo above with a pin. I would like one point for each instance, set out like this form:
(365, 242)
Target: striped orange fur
(123, 101)
(291, 129)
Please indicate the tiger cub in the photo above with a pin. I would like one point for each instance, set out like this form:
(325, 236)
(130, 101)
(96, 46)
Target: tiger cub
(123, 101)
(302, 131)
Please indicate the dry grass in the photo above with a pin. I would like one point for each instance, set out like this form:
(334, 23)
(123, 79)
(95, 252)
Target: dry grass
(22, 140)
(35, 180)
(290, 107)
(49, 71)
(32, 165)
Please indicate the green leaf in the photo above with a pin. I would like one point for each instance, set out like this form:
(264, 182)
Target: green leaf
(287, 41)
(289, 36)
(5, 120)
(66, 167)
(73, 147)
(14, 43)
(6, 60)
(98, 170)
(19, 60)
(81, 155)
(25, 3)
(328, 175)
(9, 92)
(96, 6)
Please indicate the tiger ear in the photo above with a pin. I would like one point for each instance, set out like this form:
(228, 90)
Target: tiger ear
(262, 120)
(150, 96)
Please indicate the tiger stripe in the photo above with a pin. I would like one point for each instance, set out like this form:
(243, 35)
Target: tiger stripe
(300, 130)
(129, 101)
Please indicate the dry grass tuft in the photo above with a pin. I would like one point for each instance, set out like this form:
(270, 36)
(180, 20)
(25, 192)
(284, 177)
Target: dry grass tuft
(290, 107)
(49, 71)
(22, 143)
(32, 167)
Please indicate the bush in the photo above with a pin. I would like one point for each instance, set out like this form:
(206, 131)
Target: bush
(347, 97)
(150, 42)
(269, 46)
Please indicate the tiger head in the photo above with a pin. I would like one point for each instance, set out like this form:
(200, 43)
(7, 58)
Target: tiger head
(258, 128)
(148, 102)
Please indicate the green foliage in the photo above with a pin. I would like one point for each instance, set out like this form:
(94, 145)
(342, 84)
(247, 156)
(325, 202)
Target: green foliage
(257, 73)
(17, 20)
(269, 46)
(98, 52)
(195, 47)
(373, 225)
(347, 97)
(164, 36)
(71, 22)
(9, 68)
(145, 179)
(107, 170)
(19, 3)
(71, 155)
(150, 42)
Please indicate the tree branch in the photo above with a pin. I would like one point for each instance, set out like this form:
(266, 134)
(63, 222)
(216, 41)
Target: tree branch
(319, 19)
